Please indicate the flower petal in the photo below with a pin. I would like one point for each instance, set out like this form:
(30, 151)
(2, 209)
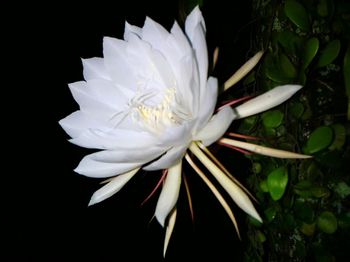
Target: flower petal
(266, 101)
(154, 33)
(195, 30)
(131, 29)
(77, 122)
(87, 101)
(216, 127)
(117, 64)
(170, 193)
(169, 230)
(94, 68)
(114, 162)
(170, 158)
(207, 106)
(106, 138)
(112, 187)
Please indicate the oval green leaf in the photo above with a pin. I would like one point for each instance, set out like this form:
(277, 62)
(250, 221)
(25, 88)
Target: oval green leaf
(319, 139)
(327, 222)
(310, 51)
(339, 136)
(297, 14)
(329, 53)
(277, 181)
(287, 67)
(272, 119)
(270, 213)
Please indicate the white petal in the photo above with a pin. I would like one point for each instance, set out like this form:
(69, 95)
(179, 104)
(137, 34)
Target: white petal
(170, 193)
(110, 163)
(77, 122)
(94, 68)
(192, 20)
(154, 33)
(131, 29)
(114, 138)
(170, 158)
(106, 92)
(117, 62)
(207, 106)
(266, 101)
(87, 101)
(178, 40)
(216, 127)
(200, 47)
(112, 187)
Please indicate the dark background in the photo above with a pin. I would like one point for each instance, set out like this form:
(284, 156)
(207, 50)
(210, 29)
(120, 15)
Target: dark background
(45, 203)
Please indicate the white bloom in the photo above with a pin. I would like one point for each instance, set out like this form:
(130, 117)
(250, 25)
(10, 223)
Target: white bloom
(148, 101)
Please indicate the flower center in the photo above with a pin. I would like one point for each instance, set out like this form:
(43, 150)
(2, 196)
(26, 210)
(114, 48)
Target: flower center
(156, 110)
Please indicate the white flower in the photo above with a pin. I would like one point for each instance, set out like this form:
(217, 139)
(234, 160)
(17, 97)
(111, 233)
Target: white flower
(148, 101)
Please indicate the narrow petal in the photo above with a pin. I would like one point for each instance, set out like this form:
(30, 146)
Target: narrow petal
(170, 158)
(216, 193)
(170, 193)
(169, 230)
(112, 187)
(262, 150)
(110, 163)
(154, 33)
(267, 100)
(243, 71)
(236, 193)
(107, 138)
(207, 106)
(131, 29)
(77, 122)
(216, 127)
(94, 68)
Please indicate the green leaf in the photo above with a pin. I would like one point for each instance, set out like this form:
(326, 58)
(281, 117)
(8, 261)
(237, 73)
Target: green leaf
(344, 221)
(303, 188)
(327, 222)
(272, 119)
(296, 110)
(277, 181)
(297, 14)
(329, 53)
(263, 186)
(339, 136)
(342, 189)
(310, 51)
(318, 191)
(319, 139)
(248, 124)
(307, 229)
(290, 42)
(287, 67)
(270, 213)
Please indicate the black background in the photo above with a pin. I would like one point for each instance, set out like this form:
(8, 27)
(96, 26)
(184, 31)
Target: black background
(45, 202)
